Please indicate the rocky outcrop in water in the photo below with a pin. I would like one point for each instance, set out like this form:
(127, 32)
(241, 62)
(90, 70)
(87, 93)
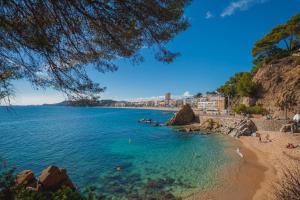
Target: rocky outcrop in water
(27, 178)
(210, 125)
(206, 127)
(184, 116)
(233, 127)
(51, 179)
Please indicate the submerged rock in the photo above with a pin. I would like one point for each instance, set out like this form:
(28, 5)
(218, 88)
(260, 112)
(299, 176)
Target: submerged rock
(169, 196)
(184, 116)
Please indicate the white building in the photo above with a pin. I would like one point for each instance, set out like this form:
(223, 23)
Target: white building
(191, 101)
(211, 104)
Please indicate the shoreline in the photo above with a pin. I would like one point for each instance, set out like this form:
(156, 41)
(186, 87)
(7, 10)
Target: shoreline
(257, 171)
(146, 108)
(256, 174)
(261, 167)
(275, 157)
(239, 180)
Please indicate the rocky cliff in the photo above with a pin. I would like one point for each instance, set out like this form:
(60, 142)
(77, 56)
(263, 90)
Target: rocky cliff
(276, 81)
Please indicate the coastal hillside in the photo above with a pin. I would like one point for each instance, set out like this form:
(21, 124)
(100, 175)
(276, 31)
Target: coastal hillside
(273, 84)
(277, 81)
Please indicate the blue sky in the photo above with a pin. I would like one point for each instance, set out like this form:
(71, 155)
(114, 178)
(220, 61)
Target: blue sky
(217, 45)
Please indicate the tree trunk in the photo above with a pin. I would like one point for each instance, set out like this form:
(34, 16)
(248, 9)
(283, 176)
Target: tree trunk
(285, 110)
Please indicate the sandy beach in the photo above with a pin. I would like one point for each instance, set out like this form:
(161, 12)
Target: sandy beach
(275, 157)
(260, 168)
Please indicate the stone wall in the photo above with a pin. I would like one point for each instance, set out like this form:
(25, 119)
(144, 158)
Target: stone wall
(269, 125)
(219, 118)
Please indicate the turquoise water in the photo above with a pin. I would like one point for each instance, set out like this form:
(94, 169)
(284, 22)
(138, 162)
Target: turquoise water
(107, 149)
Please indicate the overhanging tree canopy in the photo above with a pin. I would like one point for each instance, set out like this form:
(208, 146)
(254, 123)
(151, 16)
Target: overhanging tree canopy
(283, 40)
(50, 43)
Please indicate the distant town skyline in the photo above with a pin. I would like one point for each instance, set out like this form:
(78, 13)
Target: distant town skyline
(217, 45)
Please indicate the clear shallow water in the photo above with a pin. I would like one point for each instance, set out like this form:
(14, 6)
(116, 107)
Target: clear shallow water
(108, 149)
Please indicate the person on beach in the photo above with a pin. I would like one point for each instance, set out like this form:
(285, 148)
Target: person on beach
(296, 120)
(259, 136)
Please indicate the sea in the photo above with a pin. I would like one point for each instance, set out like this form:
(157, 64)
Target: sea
(108, 151)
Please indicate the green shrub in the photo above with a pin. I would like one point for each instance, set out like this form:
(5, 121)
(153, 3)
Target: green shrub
(245, 86)
(240, 109)
(243, 109)
(7, 181)
(255, 69)
(241, 84)
(257, 110)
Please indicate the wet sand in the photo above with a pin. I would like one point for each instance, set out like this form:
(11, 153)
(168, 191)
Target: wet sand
(239, 181)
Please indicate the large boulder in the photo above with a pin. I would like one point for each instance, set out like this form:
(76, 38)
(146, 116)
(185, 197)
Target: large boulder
(292, 127)
(184, 116)
(53, 178)
(26, 178)
(210, 125)
(244, 128)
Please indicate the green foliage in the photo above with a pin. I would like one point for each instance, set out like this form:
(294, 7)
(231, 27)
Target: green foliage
(240, 109)
(199, 94)
(245, 86)
(282, 41)
(65, 193)
(211, 93)
(240, 84)
(6, 182)
(243, 109)
(255, 69)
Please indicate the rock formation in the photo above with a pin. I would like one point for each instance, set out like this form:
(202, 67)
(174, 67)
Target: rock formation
(210, 125)
(51, 179)
(26, 178)
(234, 127)
(244, 128)
(184, 116)
(291, 127)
